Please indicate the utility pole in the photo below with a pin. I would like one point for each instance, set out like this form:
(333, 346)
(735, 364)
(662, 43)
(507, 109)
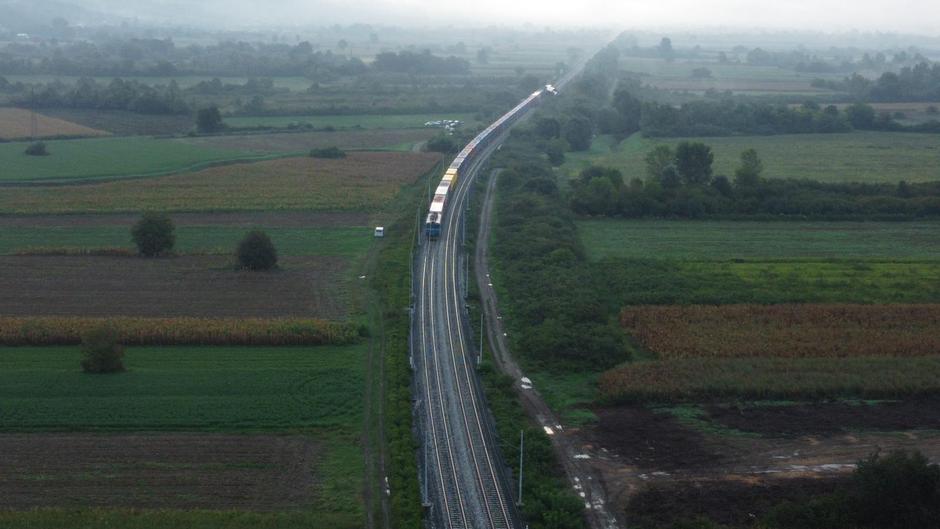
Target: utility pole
(482, 319)
(521, 454)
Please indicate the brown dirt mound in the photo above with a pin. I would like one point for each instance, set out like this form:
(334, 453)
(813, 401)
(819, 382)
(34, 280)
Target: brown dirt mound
(256, 472)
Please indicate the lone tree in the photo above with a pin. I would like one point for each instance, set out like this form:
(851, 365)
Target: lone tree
(748, 173)
(153, 234)
(209, 119)
(37, 149)
(577, 132)
(694, 162)
(101, 351)
(256, 251)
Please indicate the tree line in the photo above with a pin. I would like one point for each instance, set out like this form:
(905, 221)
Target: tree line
(680, 183)
(920, 82)
(162, 58)
(557, 320)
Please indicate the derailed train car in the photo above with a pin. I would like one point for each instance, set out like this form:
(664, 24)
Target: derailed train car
(466, 157)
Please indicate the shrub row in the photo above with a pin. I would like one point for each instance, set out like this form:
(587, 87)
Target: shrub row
(179, 331)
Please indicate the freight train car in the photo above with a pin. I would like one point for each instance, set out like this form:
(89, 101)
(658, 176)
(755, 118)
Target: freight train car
(466, 158)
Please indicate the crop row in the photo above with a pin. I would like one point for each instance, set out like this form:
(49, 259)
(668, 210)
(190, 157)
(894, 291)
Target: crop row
(785, 331)
(771, 378)
(180, 331)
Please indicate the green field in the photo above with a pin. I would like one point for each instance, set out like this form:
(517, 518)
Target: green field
(184, 81)
(309, 390)
(717, 262)
(241, 389)
(720, 240)
(366, 121)
(849, 157)
(104, 157)
(326, 241)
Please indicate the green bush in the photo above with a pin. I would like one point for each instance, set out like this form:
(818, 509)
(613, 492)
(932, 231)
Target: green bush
(101, 352)
(328, 152)
(257, 252)
(37, 149)
(153, 234)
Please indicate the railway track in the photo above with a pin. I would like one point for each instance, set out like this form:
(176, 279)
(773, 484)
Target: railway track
(464, 482)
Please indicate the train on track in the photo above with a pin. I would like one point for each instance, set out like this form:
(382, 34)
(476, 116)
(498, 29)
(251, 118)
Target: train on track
(464, 159)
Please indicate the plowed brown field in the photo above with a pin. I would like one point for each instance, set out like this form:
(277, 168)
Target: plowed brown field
(16, 123)
(257, 472)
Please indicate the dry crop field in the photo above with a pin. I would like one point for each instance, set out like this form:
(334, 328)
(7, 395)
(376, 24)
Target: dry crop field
(362, 181)
(785, 331)
(16, 123)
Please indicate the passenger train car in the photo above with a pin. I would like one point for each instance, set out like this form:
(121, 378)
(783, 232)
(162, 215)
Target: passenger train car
(466, 157)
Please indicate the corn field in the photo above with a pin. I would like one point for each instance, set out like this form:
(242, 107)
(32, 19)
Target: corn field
(179, 331)
(785, 331)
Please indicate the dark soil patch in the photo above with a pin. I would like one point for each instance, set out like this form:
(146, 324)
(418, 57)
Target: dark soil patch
(652, 440)
(247, 472)
(730, 502)
(827, 418)
(292, 219)
(166, 287)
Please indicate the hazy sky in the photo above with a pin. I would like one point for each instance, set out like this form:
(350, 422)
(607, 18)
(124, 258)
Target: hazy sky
(920, 16)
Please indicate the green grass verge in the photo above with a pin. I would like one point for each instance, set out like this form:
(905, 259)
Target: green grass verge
(771, 378)
(848, 157)
(184, 389)
(347, 121)
(674, 239)
(104, 157)
(326, 241)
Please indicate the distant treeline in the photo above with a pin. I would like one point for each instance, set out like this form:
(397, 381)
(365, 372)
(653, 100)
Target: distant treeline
(680, 184)
(162, 58)
(119, 94)
(918, 83)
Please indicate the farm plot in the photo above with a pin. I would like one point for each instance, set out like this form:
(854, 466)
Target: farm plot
(347, 121)
(721, 240)
(201, 286)
(697, 380)
(214, 389)
(362, 181)
(308, 480)
(109, 158)
(349, 242)
(17, 123)
(248, 472)
(785, 331)
(124, 123)
(659, 282)
(112, 158)
(301, 142)
(849, 157)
